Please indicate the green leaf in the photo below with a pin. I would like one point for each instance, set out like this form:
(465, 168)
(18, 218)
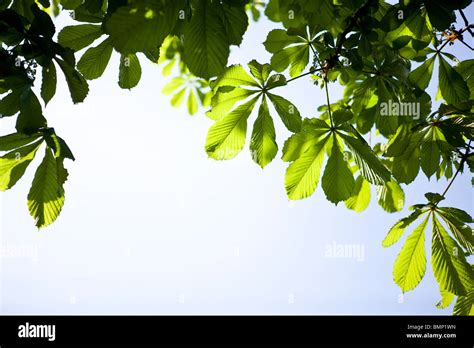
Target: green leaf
(48, 84)
(260, 71)
(337, 181)
(456, 220)
(434, 198)
(192, 103)
(371, 168)
(302, 176)
(288, 50)
(276, 80)
(234, 76)
(391, 197)
(466, 70)
(31, 117)
(446, 299)
(430, 151)
(397, 230)
(173, 85)
(440, 16)
(405, 168)
(341, 116)
(93, 63)
(263, 145)
(421, 76)
(410, 265)
(235, 22)
(450, 267)
(46, 196)
(465, 305)
(178, 99)
(16, 140)
(76, 37)
(10, 104)
(452, 86)
(223, 101)
(13, 165)
(299, 143)
(398, 143)
(226, 138)
(297, 57)
(278, 39)
(206, 47)
(360, 196)
(142, 25)
(130, 71)
(78, 86)
(288, 112)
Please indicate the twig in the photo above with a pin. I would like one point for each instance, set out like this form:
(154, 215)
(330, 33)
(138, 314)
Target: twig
(466, 22)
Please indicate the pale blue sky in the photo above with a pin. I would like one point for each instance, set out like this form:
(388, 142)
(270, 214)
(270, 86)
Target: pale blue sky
(152, 226)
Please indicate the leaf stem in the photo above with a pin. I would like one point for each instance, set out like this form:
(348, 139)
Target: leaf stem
(461, 164)
(312, 71)
(328, 103)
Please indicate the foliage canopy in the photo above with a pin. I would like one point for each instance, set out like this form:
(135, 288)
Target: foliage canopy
(384, 55)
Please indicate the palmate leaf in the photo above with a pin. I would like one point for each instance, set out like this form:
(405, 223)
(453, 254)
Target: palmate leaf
(194, 89)
(302, 176)
(410, 265)
(452, 272)
(226, 138)
(287, 50)
(337, 181)
(13, 165)
(228, 95)
(46, 196)
(263, 145)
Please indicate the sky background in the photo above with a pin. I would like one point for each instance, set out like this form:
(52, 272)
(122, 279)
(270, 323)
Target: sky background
(151, 225)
